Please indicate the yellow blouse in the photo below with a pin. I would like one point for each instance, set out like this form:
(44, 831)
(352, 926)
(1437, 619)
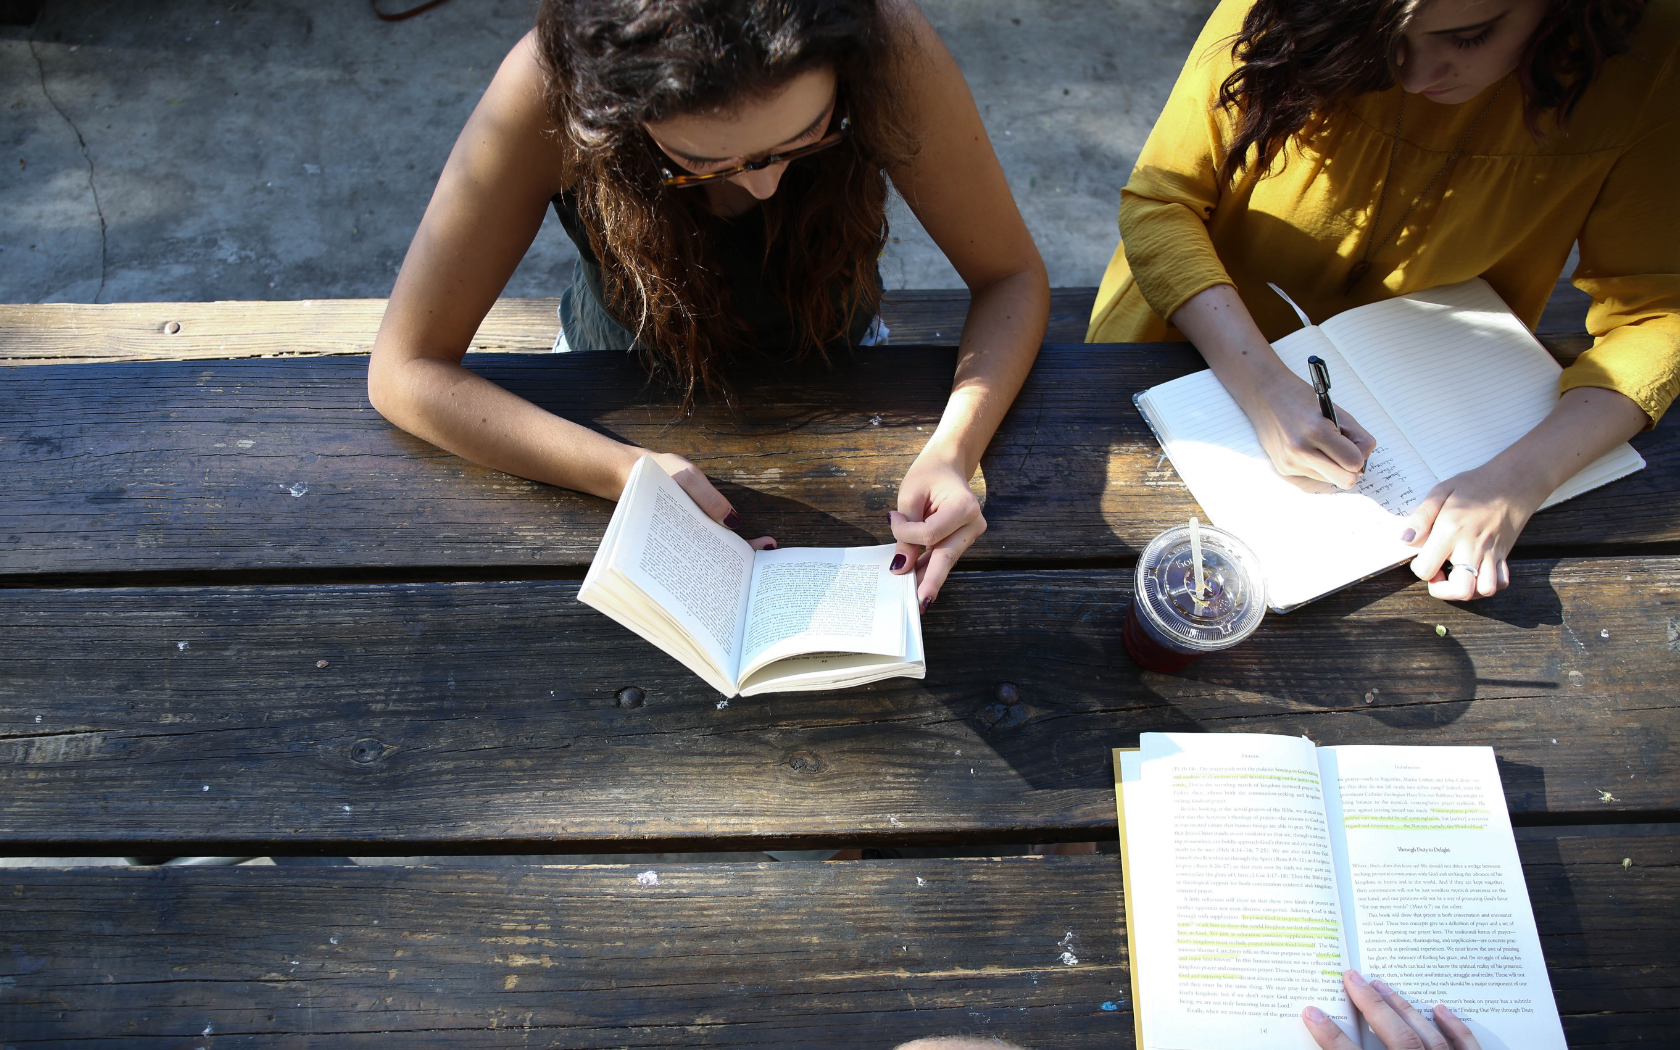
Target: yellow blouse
(1508, 211)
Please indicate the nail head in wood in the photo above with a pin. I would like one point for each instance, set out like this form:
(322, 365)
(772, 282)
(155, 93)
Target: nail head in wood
(173, 327)
(631, 696)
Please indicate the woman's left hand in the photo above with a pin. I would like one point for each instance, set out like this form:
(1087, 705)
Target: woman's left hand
(938, 518)
(1465, 528)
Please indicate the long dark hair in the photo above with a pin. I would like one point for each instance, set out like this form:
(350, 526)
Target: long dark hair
(615, 65)
(1297, 58)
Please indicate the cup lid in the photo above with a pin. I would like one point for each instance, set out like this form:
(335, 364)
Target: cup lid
(1228, 610)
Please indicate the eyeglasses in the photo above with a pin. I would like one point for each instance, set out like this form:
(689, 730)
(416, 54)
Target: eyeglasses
(834, 138)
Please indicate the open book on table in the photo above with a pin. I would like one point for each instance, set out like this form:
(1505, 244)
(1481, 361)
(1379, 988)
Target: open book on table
(1257, 868)
(1444, 380)
(750, 621)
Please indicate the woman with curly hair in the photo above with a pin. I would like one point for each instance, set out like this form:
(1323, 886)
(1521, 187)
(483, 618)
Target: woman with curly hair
(723, 167)
(1355, 150)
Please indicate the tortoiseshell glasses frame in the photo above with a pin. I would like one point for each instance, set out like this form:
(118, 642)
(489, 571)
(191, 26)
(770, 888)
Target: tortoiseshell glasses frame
(833, 138)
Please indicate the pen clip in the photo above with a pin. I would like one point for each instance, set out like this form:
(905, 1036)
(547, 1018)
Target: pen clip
(1320, 374)
(1321, 386)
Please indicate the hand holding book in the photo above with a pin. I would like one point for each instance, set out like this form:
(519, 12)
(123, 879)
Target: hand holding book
(705, 495)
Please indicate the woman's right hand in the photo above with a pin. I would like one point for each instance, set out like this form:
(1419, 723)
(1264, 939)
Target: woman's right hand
(1302, 444)
(1399, 1024)
(705, 495)
(1300, 441)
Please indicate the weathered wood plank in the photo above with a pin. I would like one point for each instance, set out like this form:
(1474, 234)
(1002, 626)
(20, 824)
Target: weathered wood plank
(67, 332)
(738, 954)
(283, 465)
(787, 955)
(41, 333)
(1608, 911)
(62, 333)
(487, 717)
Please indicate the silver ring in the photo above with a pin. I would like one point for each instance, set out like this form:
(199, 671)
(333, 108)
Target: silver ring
(1461, 565)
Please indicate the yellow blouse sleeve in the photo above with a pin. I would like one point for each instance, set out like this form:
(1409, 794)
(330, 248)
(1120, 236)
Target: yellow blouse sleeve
(1630, 265)
(1173, 189)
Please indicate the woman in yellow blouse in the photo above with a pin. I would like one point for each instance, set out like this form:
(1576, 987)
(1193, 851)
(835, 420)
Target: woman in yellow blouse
(1362, 149)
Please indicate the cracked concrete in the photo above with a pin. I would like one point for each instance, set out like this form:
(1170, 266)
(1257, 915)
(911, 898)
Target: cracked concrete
(203, 150)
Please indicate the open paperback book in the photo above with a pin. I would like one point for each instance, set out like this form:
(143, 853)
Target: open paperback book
(1257, 868)
(1444, 380)
(750, 621)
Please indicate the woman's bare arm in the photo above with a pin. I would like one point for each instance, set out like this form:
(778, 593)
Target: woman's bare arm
(487, 208)
(956, 187)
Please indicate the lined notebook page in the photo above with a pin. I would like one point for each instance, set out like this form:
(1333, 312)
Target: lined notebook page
(1310, 544)
(1395, 475)
(1461, 377)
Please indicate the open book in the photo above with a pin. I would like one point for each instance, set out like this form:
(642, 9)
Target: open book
(1444, 380)
(750, 621)
(1257, 868)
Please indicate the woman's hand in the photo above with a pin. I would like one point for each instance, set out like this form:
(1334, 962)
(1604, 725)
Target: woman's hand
(1396, 1022)
(1469, 522)
(1300, 441)
(1465, 528)
(1282, 407)
(938, 518)
(705, 495)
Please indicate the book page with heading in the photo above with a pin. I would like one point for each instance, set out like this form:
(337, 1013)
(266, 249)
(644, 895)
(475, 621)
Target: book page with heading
(1428, 866)
(1235, 904)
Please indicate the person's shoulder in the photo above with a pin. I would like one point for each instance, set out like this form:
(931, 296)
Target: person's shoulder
(513, 115)
(1638, 90)
(1212, 49)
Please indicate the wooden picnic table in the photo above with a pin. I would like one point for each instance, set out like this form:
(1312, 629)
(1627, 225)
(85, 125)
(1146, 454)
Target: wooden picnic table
(243, 615)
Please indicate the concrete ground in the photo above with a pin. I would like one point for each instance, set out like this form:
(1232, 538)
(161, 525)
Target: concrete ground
(197, 150)
(200, 150)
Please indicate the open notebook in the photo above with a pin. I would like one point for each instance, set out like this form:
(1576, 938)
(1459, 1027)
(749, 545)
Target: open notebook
(1444, 379)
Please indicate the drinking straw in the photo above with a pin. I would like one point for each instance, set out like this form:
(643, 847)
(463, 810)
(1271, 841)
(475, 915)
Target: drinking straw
(1196, 553)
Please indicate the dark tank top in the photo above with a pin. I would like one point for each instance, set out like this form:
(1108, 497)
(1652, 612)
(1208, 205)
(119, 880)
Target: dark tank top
(736, 246)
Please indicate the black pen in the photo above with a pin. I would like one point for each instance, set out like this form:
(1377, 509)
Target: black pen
(1321, 387)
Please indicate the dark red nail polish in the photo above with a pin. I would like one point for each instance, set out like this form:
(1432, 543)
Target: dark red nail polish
(1408, 536)
(732, 520)
(897, 562)
(770, 546)
(925, 603)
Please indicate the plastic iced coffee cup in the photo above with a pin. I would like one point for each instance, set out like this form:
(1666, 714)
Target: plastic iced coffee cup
(1169, 624)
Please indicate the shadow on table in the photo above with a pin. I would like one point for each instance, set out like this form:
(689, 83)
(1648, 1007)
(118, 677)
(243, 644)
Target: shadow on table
(1053, 700)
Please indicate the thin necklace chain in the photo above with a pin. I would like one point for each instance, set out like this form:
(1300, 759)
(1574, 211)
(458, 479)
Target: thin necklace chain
(1372, 245)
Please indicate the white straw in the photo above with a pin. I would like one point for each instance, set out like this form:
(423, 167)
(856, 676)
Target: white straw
(1196, 553)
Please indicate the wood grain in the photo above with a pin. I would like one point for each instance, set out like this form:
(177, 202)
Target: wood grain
(63, 333)
(487, 717)
(283, 465)
(38, 333)
(787, 955)
(855, 953)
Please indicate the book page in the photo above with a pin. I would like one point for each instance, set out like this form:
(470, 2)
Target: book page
(808, 600)
(1440, 910)
(1310, 543)
(845, 670)
(1234, 894)
(694, 568)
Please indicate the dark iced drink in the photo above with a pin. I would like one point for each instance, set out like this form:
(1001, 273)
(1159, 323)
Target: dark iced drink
(1169, 623)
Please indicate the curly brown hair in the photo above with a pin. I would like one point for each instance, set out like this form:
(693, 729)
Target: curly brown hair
(1297, 58)
(613, 66)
